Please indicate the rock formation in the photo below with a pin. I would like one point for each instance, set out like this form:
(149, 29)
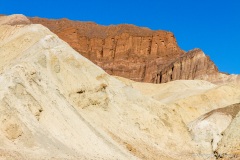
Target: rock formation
(210, 111)
(16, 19)
(135, 53)
(191, 65)
(229, 147)
(56, 104)
(123, 50)
(209, 129)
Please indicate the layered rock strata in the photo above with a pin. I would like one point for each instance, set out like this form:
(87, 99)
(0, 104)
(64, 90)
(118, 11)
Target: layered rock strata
(135, 53)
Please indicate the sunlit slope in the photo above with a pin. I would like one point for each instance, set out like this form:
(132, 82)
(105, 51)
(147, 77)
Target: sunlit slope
(210, 111)
(56, 103)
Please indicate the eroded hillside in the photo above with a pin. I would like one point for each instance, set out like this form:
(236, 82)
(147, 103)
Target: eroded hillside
(56, 104)
(136, 53)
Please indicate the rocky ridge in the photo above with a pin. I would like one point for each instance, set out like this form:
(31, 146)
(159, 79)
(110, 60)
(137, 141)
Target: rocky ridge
(135, 53)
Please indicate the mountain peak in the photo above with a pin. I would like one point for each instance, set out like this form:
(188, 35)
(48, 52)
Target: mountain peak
(15, 19)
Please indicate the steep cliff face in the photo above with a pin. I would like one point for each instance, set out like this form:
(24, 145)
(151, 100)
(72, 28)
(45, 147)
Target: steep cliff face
(192, 65)
(123, 50)
(135, 53)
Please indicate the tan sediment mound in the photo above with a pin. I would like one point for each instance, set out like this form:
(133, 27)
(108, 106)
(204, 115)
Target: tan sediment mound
(16, 19)
(202, 106)
(191, 98)
(172, 91)
(38, 120)
(229, 146)
(208, 129)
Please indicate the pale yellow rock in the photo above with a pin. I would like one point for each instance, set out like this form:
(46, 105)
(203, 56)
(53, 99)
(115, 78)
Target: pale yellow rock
(229, 146)
(209, 128)
(16, 19)
(205, 108)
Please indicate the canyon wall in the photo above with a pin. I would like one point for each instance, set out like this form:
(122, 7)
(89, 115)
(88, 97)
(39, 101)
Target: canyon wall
(136, 53)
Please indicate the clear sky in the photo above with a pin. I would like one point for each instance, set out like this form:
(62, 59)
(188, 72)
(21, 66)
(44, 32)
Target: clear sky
(211, 25)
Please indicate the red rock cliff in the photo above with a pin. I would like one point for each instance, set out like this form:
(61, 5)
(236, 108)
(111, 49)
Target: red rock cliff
(133, 52)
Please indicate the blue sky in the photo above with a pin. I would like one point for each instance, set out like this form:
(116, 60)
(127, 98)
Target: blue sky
(211, 25)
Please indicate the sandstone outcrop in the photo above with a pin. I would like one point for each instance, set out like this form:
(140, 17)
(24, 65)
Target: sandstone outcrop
(191, 65)
(136, 53)
(208, 130)
(229, 146)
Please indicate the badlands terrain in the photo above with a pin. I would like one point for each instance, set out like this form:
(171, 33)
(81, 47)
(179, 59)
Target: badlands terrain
(57, 104)
(136, 53)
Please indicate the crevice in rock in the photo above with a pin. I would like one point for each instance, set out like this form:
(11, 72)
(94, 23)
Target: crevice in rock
(81, 91)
